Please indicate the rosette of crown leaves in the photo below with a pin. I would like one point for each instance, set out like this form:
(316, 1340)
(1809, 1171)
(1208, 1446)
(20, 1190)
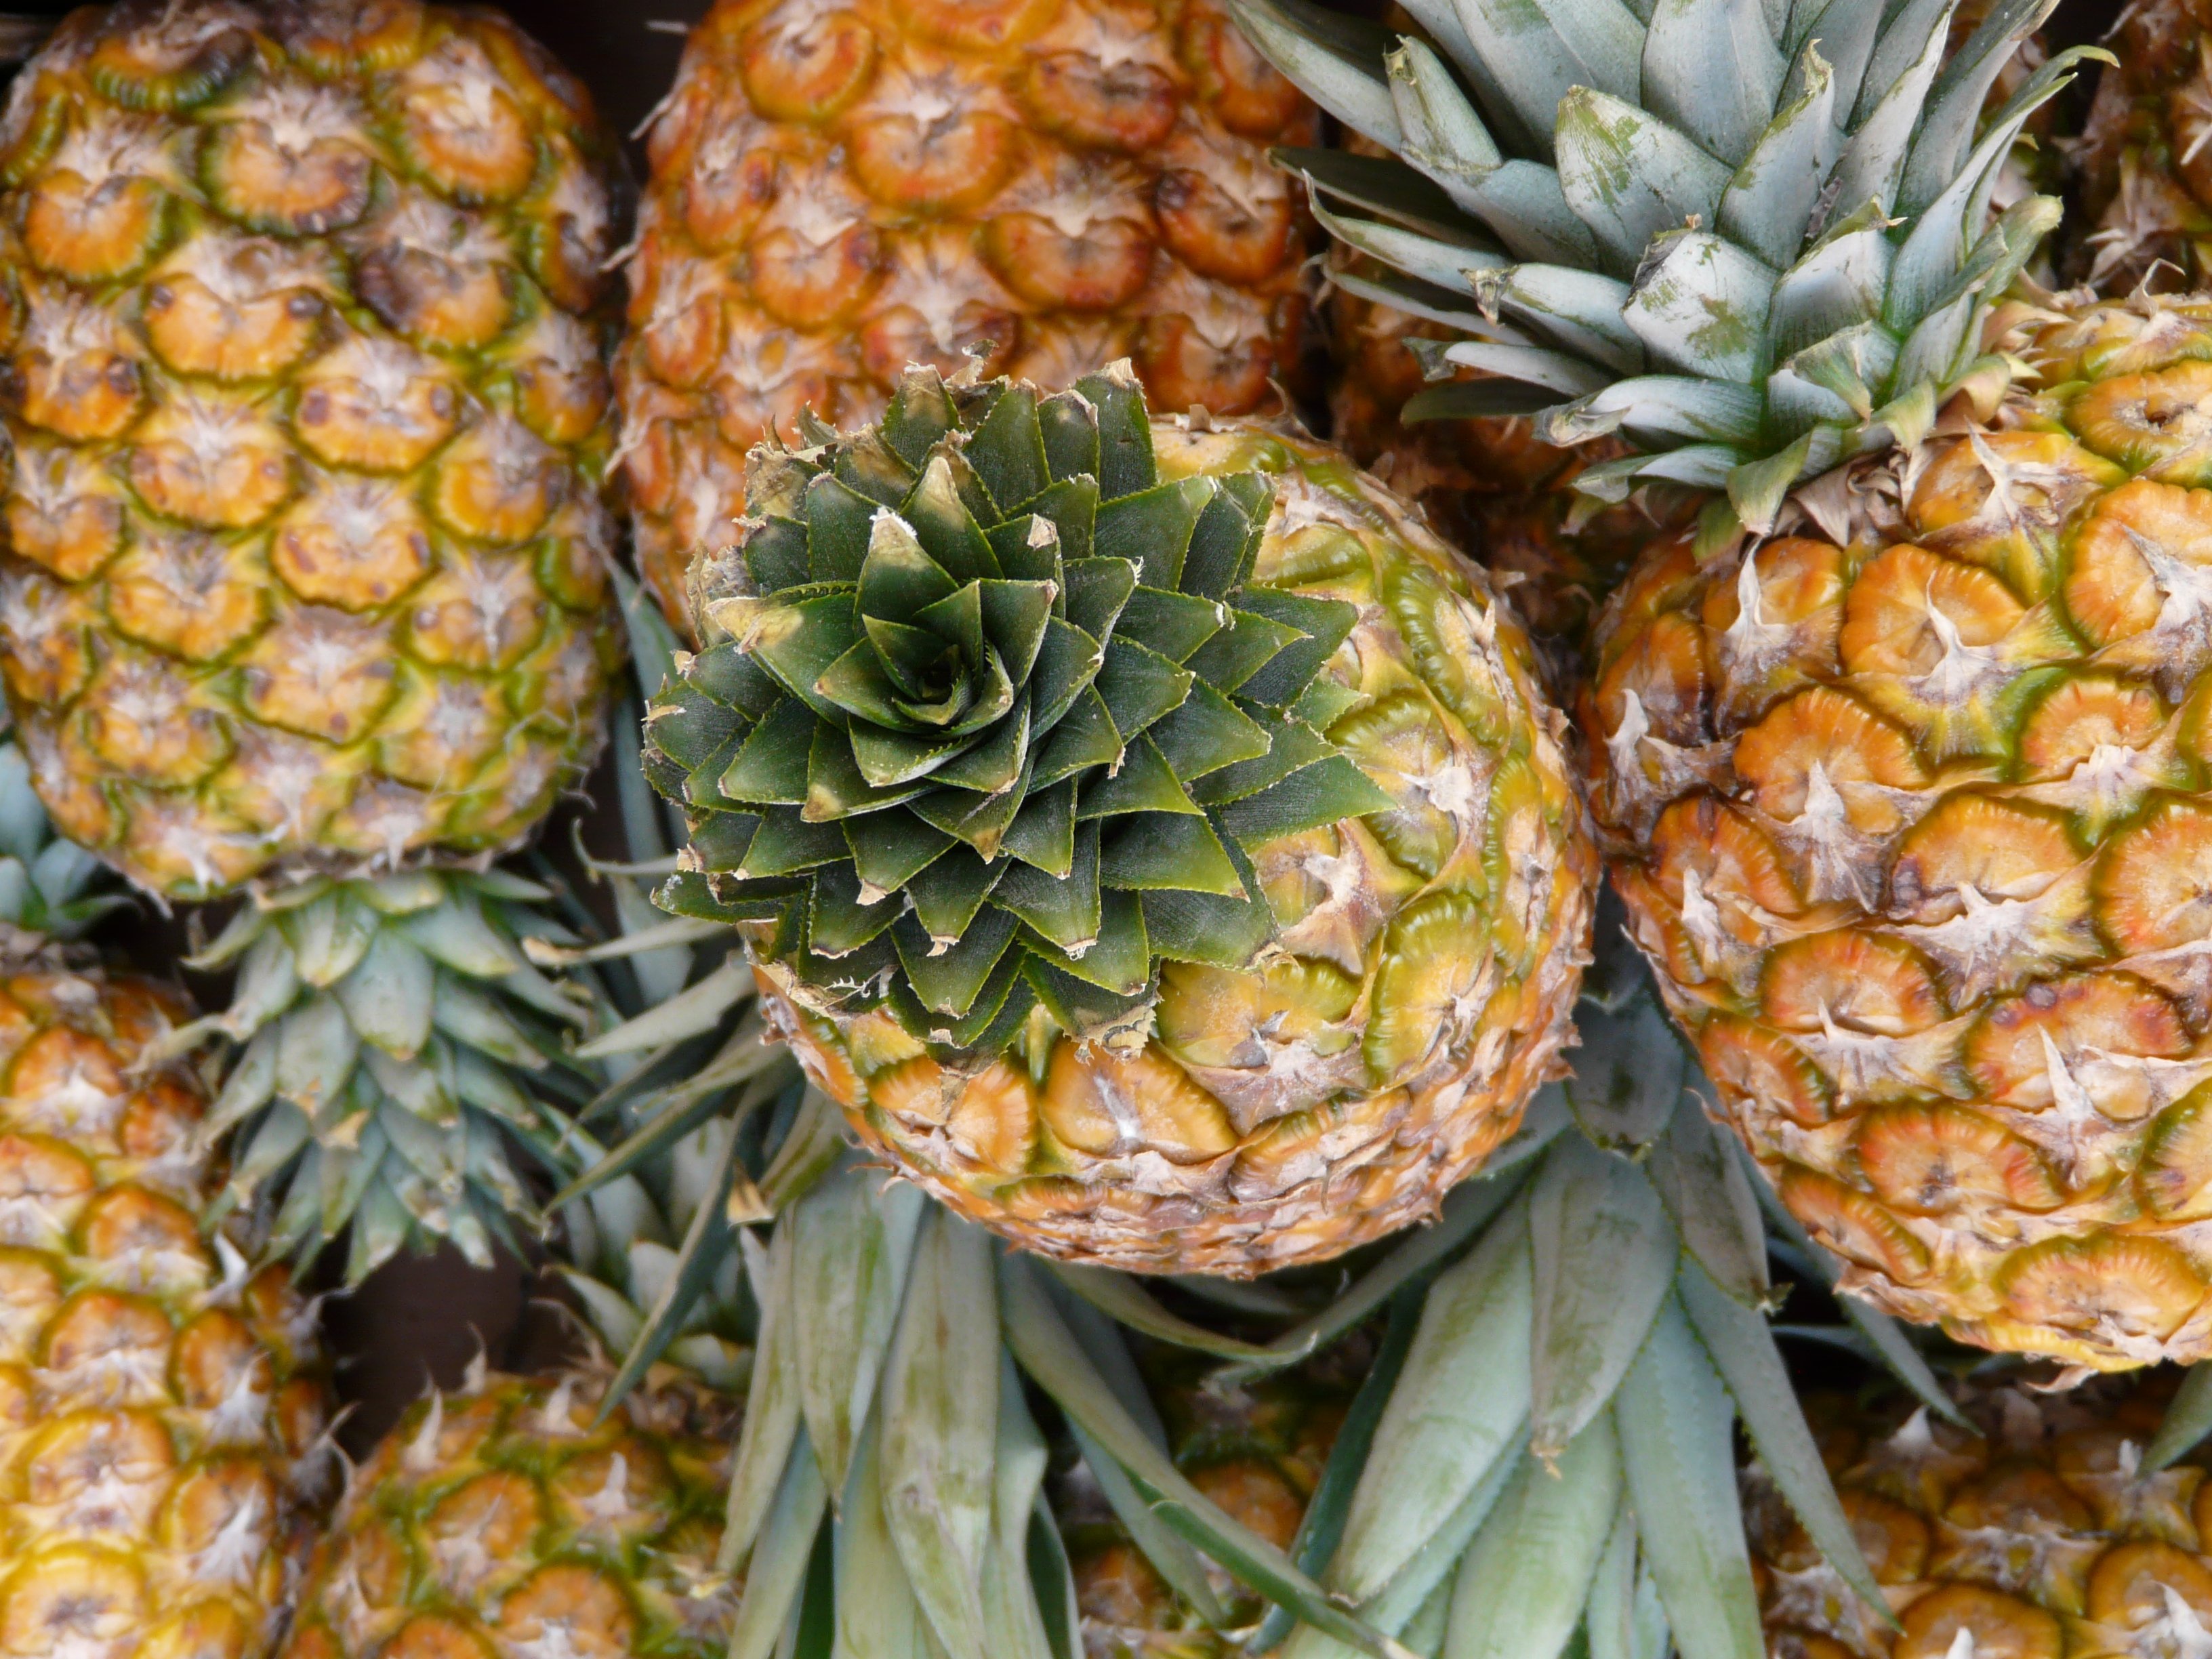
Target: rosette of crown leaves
(988, 712)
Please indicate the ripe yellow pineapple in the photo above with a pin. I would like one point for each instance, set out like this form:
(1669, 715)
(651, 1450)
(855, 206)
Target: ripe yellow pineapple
(2044, 1533)
(1908, 807)
(840, 190)
(162, 1418)
(301, 351)
(510, 1517)
(1156, 841)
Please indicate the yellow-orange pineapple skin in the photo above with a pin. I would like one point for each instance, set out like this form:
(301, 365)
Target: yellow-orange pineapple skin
(1911, 808)
(2145, 172)
(505, 1518)
(2041, 1536)
(302, 336)
(841, 187)
(162, 1455)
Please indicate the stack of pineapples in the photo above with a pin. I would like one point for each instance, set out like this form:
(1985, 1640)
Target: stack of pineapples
(1073, 843)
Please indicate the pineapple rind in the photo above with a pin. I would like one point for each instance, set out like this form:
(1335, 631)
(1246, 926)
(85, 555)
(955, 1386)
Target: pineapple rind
(506, 1517)
(1904, 804)
(2043, 1532)
(840, 190)
(163, 1453)
(1416, 967)
(308, 413)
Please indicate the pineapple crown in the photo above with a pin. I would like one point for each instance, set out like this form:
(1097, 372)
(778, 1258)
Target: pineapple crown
(48, 886)
(988, 708)
(1750, 236)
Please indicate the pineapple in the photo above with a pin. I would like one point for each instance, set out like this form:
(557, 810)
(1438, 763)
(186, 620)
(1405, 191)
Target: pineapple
(838, 191)
(515, 1517)
(308, 589)
(1892, 757)
(162, 1416)
(1229, 942)
(1258, 1450)
(2046, 1530)
(2145, 178)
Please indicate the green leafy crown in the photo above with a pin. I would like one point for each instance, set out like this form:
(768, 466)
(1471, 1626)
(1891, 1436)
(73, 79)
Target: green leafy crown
(1750, 236)
(991, 714)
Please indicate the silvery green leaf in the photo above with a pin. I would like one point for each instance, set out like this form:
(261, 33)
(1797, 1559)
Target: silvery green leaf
(1126, 1299)
(1849, 364)
(1048, 1352)
(2188, 1420)
(469, 1017)
(436, 1154)
(1554, 371)
(1052, 1581)
(852, 1239)
(612, 1316)
(1677, 1442)
(1630, 177)
(61, 871)
(267, 986)
(1433, 1564)
(328, 937)
(1839, 285)
(532, 989)
(380, 1227)
(1908, 31)
(1418, 299)
(1578, 311)
(15, 881)
(1173, 1558)
(1462, 1396)
(1629, 1074)
(705, 1244)
(767, 1441)
(482, 1084)
(1384, 187)
(777, 1570)
(1523, 1581)
(1443, 135)
(387, 996)
(1738, 1341)
(252, 1080)
(1341, 73)
(23, 829)
(274, 1143)
(1654, 1639)
(1935, 350)
(810, 1150)
(1699, 305)
(878, 1617)
(1602, 1256)
(405, 892)
(1698, 1178)
(1425, 1630)
(315, 1051)
(1446, 264)
(1873, 161)
(1893, 1348)
(1525, 208)
(1537, 52)
(940, 1408)
(1712, 71)
(1468, 1209)
(1014, 1624)
(698, 1010)
(457, 934)
(1609, 1617)
(248, 923)
(1655, 408)
(346, 1180)
(1956, 102)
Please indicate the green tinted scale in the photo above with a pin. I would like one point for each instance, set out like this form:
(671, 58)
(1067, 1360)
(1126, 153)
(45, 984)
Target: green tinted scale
(991, 713)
